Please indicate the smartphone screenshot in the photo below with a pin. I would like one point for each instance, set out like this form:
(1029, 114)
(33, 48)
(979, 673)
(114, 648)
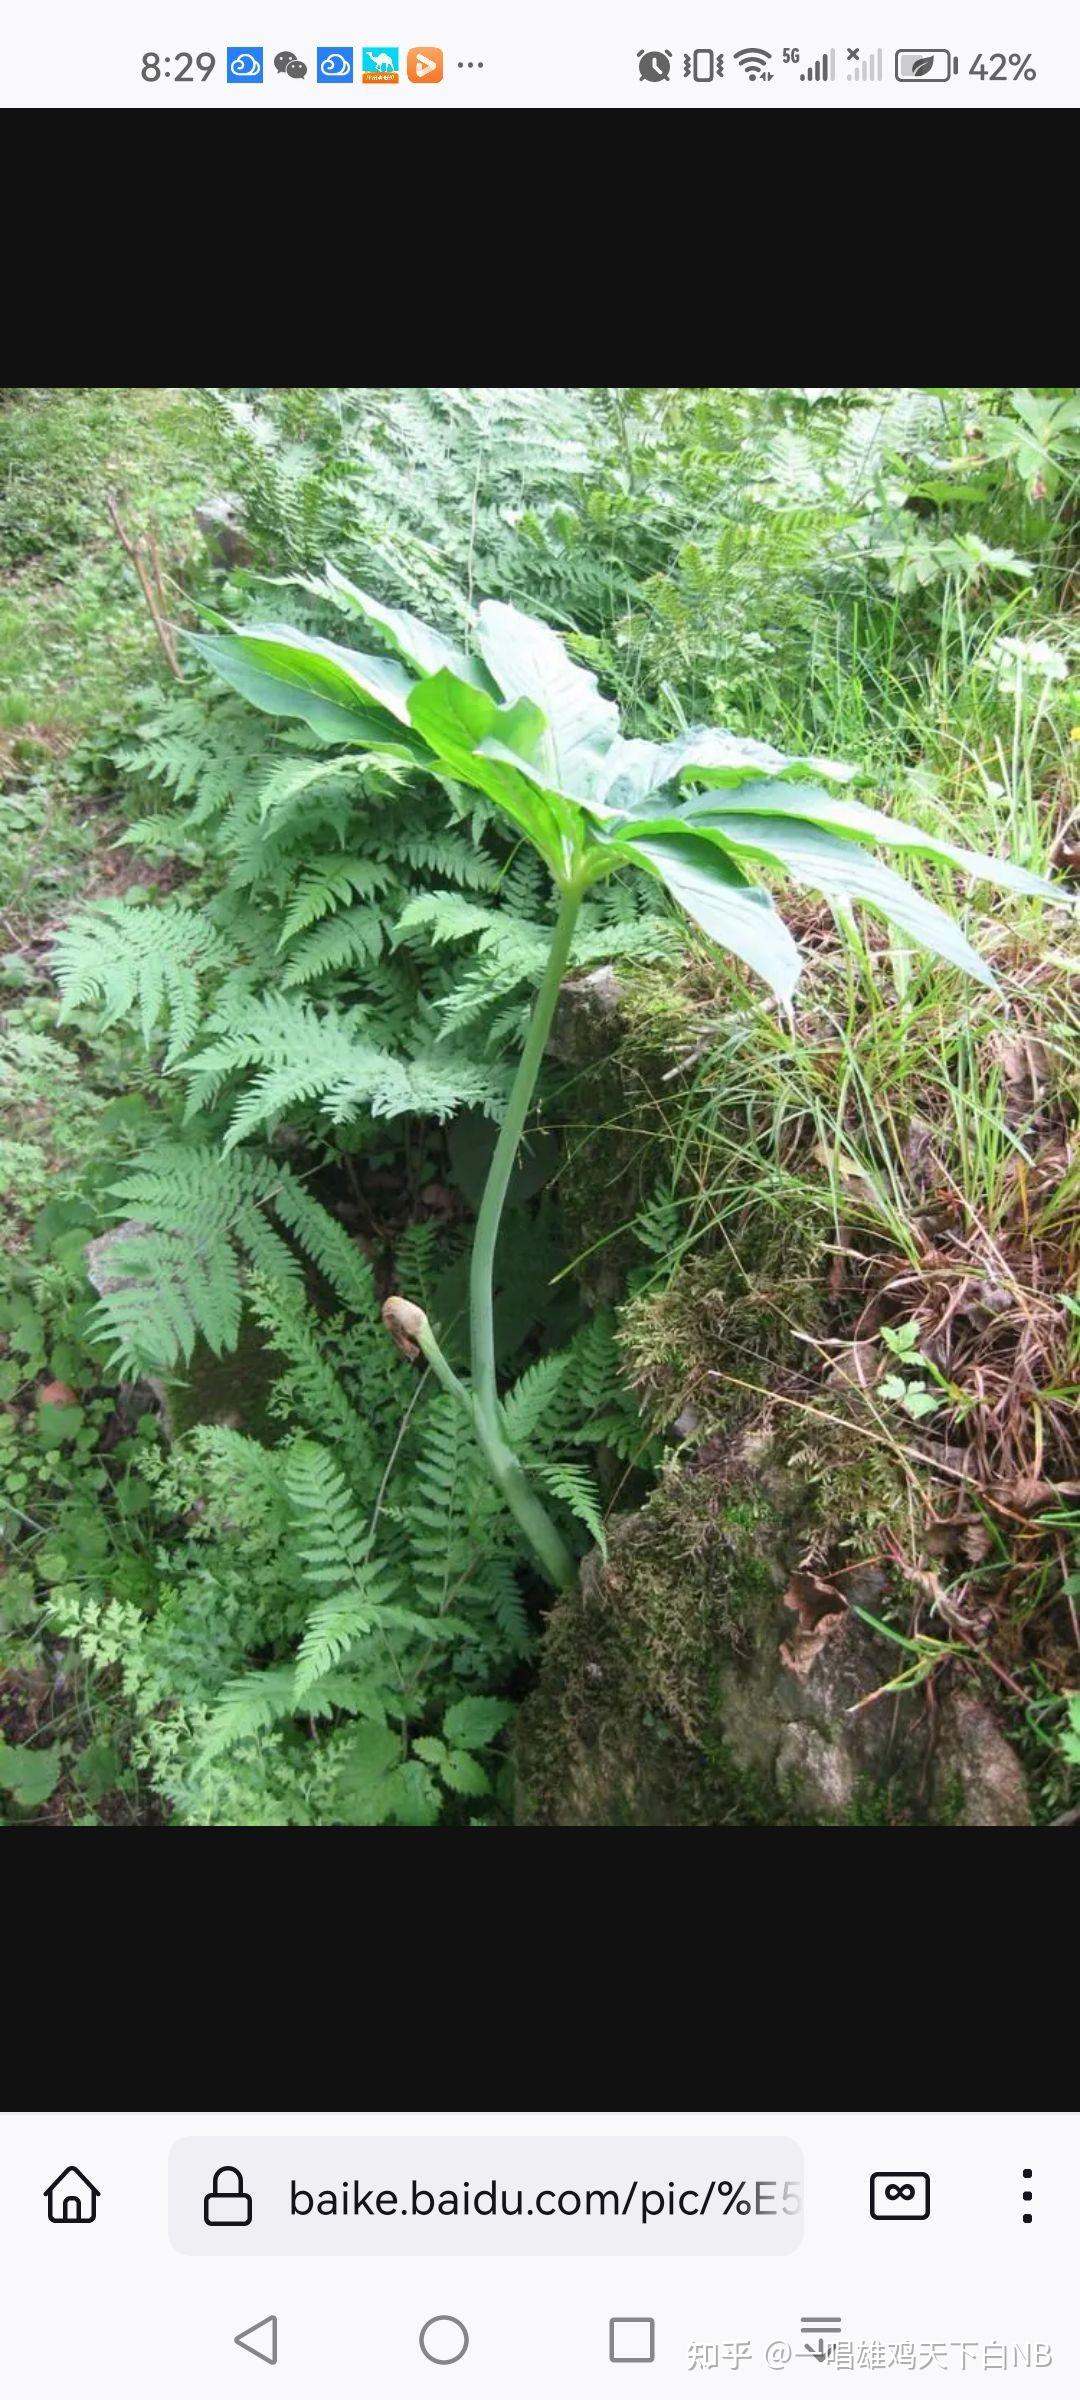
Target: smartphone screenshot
(592, 2254)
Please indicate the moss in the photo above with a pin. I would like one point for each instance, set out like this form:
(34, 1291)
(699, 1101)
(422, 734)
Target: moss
(233, 1390)
(623, 1726)
(856, 1480)
(725, 1330)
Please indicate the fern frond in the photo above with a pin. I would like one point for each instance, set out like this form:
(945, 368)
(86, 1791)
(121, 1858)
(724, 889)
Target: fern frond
(329, 883)
(352, 938)
(531, 1397)
(576, 1488)
(172, 1271)
(304, 1057)
(334, 1252)
(452, 856)
(244, 1482)
(285, 782)
(248, 1705)
(140, 961)
(317, 1396)
(167, 1290)
(334, 1545)
(338, 1541)
(495, 1587)
(442, 1490)
(443, 917)
(414, 1261)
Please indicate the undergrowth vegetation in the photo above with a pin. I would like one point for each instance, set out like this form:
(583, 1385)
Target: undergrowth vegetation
(270, 959)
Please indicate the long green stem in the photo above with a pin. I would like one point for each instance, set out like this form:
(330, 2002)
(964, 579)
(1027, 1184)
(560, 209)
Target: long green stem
(481, 1281)
(507, 1471)
(411, 1328)
(509, 1477)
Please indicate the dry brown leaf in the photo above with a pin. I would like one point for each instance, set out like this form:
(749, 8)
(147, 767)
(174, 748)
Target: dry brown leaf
(818, 1607)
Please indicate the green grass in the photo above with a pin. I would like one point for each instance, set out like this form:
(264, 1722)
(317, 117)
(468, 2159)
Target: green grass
(74, 627)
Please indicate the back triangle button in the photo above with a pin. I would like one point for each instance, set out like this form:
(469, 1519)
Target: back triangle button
(260, 2339)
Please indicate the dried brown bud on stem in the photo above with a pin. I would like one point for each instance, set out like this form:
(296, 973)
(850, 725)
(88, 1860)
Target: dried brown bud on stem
(404, 1323)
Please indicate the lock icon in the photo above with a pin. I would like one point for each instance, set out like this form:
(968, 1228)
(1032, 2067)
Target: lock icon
(227, 2203)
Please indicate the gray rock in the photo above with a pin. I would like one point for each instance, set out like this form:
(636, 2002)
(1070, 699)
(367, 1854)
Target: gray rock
(220, 521)
(975, 1770)
(587, 1018)
(815, 1774)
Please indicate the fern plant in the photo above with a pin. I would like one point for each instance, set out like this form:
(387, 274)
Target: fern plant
(355, 956)
(505, 712)
(337, 1606)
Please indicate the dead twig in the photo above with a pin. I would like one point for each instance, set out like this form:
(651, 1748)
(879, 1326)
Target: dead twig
(151, 581)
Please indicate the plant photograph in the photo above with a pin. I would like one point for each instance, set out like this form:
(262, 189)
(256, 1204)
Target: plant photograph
(540, 1057)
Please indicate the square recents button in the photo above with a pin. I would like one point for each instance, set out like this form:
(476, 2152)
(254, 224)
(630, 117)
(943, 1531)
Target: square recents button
(632, 2341)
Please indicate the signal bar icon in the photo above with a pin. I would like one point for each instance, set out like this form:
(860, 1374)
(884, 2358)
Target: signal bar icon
(867, 68)
(823, 69)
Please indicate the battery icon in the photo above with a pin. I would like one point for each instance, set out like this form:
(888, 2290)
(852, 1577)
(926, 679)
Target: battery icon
(925, 66)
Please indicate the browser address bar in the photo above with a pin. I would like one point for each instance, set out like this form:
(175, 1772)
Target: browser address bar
(621, 2196)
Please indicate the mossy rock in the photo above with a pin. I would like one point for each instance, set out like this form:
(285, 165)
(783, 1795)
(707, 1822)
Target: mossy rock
(702, 1676)
(624, 1725)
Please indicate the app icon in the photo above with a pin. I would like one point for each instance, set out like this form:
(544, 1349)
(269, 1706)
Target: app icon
(287, 63)
(654, 66)
(333, 66)
(243, 66)
(379, 66)
(425, 66)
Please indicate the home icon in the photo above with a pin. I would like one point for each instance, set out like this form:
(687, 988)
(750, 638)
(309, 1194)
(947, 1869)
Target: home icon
(72, 2198)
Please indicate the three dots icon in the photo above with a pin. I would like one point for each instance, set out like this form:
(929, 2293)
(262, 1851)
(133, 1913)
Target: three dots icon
(1028, 2195)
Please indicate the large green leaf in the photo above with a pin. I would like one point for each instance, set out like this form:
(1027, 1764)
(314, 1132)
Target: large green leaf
(418, 644)
(846, 872)
(305, 664)
(737, 914)
(529, 662)
(634, 771)
(281, 696)
(454, 718)
(863, 824)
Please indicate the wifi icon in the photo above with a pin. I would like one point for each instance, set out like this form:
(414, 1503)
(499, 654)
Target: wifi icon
(755, 64)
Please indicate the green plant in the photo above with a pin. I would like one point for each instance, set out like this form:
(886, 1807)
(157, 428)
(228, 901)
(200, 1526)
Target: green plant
(329, 1608)
(516, 720)
(912, 1392)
